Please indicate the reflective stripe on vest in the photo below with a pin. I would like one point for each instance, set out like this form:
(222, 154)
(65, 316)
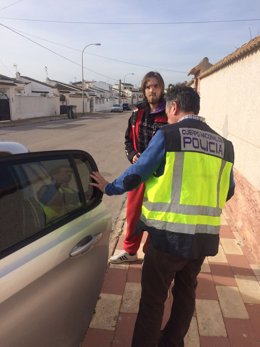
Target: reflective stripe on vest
(189, 196)
(50, 213)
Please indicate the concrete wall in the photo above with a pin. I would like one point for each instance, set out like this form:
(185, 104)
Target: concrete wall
(23, 107)
(76, 101)
(104, 105)
(243, 212)
(230, 101)
(99, 105)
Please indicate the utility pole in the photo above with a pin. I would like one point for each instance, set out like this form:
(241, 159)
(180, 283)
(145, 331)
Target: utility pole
(46, 71)
(15, 67)
(119, 90)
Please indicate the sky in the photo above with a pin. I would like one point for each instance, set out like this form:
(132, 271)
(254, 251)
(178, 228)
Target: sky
(41, 39)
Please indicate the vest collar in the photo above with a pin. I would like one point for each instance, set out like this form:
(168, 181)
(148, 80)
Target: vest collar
(192, 116)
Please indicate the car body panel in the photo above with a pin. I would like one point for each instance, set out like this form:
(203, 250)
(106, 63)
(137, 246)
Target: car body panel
(47, 252)
(59, 292)
(50, 281)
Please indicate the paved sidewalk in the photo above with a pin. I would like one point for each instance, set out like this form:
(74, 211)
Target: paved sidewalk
(227, 304)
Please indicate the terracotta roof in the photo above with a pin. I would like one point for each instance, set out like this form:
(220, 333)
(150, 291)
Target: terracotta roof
(33, 80)
(64, 87)
(9, 80)
(7, 84)
(246, 49)
(203, 65)
(3, 77)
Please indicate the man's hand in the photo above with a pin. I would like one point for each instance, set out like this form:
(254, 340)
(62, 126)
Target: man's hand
(136, 157)
(100, 181)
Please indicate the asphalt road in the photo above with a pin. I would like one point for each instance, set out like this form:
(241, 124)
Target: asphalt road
(100, 134)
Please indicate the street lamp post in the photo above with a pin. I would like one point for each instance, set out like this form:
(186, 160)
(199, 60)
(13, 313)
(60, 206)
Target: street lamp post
(131, 73)
(82, 72)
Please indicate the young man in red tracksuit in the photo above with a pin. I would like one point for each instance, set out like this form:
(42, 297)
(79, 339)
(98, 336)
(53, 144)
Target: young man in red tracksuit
(143, 123)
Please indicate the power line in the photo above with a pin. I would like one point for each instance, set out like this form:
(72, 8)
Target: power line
(50, 50)
(96, 55)
(149, 67)
(43, 39)
(134, 23)
(14, 3)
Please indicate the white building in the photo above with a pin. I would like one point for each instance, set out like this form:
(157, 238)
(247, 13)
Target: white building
(25, 97)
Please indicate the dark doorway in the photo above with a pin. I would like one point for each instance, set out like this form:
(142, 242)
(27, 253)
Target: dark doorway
(91, 105)
(4, 107)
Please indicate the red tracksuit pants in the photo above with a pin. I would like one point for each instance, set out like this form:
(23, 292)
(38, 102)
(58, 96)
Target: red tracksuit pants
(133, 211)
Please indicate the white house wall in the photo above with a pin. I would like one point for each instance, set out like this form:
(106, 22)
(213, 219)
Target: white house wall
(23, 107)
(99, 105)
(231, 104)
(103, 105)
(77, 101)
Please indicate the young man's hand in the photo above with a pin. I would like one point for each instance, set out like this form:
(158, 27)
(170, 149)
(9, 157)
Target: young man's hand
(100, 181)
(136, 157)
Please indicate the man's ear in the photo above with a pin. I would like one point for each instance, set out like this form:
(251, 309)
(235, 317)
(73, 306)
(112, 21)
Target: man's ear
(175, 108)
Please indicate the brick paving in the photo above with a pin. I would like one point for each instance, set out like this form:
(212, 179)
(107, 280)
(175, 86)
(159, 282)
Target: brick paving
(227, 304)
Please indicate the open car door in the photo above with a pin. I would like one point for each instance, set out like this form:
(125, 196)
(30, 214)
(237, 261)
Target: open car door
(54, 237)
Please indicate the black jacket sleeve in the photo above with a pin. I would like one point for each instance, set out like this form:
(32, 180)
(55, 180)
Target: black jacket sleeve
(129, 146)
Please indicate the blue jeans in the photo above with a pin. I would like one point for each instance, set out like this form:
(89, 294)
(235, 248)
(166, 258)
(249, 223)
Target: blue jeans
(159, 270)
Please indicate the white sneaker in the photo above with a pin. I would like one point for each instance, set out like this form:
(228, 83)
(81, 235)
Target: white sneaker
(122, 257)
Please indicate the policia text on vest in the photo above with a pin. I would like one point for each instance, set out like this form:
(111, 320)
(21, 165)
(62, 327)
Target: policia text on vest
(202, 141)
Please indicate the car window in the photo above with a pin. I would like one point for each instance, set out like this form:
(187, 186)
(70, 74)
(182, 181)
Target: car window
(84, 170)
(39, 195)
(58, 192)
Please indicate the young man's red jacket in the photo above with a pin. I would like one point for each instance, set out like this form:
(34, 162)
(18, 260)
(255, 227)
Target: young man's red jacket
(141, 127)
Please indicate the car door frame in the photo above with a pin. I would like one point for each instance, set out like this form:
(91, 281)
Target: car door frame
(64, 281)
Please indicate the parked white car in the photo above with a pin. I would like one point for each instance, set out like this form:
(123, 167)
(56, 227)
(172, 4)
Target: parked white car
(53, 257)
(117, 108)
(8, 147)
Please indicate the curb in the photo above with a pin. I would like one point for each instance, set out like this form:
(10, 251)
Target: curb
(13, 123)
(117, 228)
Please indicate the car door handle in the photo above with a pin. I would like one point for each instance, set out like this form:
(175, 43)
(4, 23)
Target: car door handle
(85, 245)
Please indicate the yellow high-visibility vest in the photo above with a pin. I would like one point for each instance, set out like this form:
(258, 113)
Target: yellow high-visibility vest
(189, 196)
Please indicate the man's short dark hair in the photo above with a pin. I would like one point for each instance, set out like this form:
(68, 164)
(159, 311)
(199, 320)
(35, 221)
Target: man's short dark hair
(152, 74)
(186, 97)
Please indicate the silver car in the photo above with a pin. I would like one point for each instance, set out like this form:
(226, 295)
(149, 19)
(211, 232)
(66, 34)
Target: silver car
(54, 240)
(117, 108)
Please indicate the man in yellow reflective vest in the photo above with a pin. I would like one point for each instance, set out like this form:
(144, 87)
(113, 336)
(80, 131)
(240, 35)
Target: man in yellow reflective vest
(58, 198)
(188, 174)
